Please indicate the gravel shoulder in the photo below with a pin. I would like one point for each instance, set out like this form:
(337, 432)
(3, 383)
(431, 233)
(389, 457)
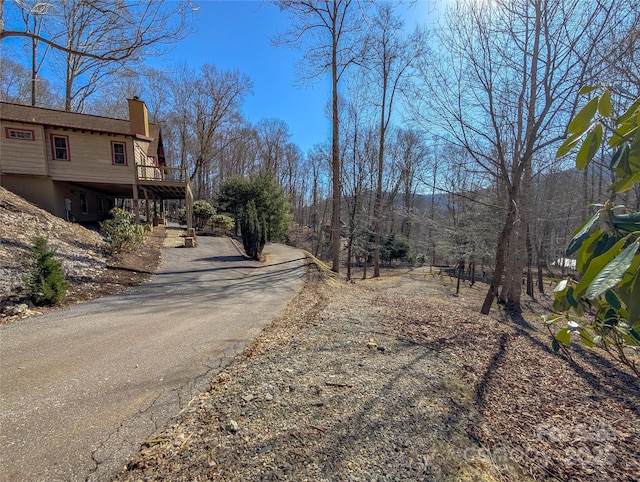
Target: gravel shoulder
(397, 379)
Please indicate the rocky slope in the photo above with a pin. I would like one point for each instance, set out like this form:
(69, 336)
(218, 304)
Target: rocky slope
(81, 251)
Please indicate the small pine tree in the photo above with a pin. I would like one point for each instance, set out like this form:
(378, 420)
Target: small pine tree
(45, 284)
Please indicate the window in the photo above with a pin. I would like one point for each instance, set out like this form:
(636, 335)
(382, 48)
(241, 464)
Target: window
(23, 134)
(84, 207)
(60, 147)
(100, 205)
(119, 152)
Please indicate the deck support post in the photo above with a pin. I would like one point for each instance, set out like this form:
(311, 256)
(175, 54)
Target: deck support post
(136, 205)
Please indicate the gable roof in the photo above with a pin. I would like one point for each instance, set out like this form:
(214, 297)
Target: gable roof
(61, 118)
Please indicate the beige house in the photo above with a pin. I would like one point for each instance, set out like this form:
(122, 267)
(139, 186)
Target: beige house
(77, 166)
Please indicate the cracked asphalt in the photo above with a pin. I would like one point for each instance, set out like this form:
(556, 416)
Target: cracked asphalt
(82, 387)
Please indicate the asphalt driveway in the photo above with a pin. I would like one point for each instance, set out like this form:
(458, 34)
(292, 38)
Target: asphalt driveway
(80, 388)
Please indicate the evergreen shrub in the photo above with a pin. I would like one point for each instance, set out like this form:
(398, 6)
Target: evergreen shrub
(45, 284)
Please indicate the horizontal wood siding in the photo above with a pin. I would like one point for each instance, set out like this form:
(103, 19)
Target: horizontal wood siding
(22, 156)
(91, 158)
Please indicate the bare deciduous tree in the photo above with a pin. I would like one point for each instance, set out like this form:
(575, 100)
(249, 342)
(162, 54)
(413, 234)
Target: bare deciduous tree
(389, 58)
(503, 90)
(273, 135)
(327, 30)
(96, 38)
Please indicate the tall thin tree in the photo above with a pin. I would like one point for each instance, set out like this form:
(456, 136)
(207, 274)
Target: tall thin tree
(328, 30)
(391, 57)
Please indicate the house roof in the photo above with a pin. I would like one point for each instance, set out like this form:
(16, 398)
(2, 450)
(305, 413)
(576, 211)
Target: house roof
(70, 120)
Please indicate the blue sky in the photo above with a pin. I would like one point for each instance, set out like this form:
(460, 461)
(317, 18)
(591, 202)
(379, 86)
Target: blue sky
(236, 35)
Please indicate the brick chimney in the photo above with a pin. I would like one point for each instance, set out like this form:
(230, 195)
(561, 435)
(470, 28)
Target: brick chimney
(138, 117)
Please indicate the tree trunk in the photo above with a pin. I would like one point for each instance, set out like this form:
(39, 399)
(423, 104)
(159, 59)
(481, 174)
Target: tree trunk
(460, 273)
(472, 271)
(540, 261)
(364, 271)
(516, 268)
(335, 151)
(509, 269)
(503, 240)
(377, 208)
(34, 72)
(67, 93)
(515, 292)
(529, 264)
(540, 277)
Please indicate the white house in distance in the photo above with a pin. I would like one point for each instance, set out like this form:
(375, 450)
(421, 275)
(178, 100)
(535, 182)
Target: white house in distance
(76, 165)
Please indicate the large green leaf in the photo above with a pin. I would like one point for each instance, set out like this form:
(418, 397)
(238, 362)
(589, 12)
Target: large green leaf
(613, 300)
(560, 303)
(596, 265)
(620, 161)
(572, 301)
(591, 247)
(624, 287)
(604, 104)
(630, 112)
(581, 234)
(625, 183)
(587, 89)
(564, 336)
(634, 153)
(633, 304)
(613, 272)
(589, 147)
(582, 120)
(585, 338)
(628, 222)
(568, 144)
(623, 133)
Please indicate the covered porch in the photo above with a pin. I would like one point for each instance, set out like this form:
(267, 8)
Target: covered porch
(160, 184)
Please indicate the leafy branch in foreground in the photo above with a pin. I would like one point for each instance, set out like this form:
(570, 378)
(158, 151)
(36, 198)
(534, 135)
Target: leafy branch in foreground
(603, 308)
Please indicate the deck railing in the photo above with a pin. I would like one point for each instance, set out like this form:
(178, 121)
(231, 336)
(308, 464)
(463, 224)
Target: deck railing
(149, 172)
(161, 173)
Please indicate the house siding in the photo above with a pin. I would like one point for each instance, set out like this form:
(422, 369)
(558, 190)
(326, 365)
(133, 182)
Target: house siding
(91, 158)
(22, 156)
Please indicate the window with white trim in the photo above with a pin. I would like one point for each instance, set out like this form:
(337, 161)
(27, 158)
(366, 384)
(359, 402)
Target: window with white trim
(119, 153)
(60, 147)
(22, 134)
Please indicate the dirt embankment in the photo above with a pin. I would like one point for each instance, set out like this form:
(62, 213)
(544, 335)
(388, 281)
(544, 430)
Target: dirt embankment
(91, 270)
